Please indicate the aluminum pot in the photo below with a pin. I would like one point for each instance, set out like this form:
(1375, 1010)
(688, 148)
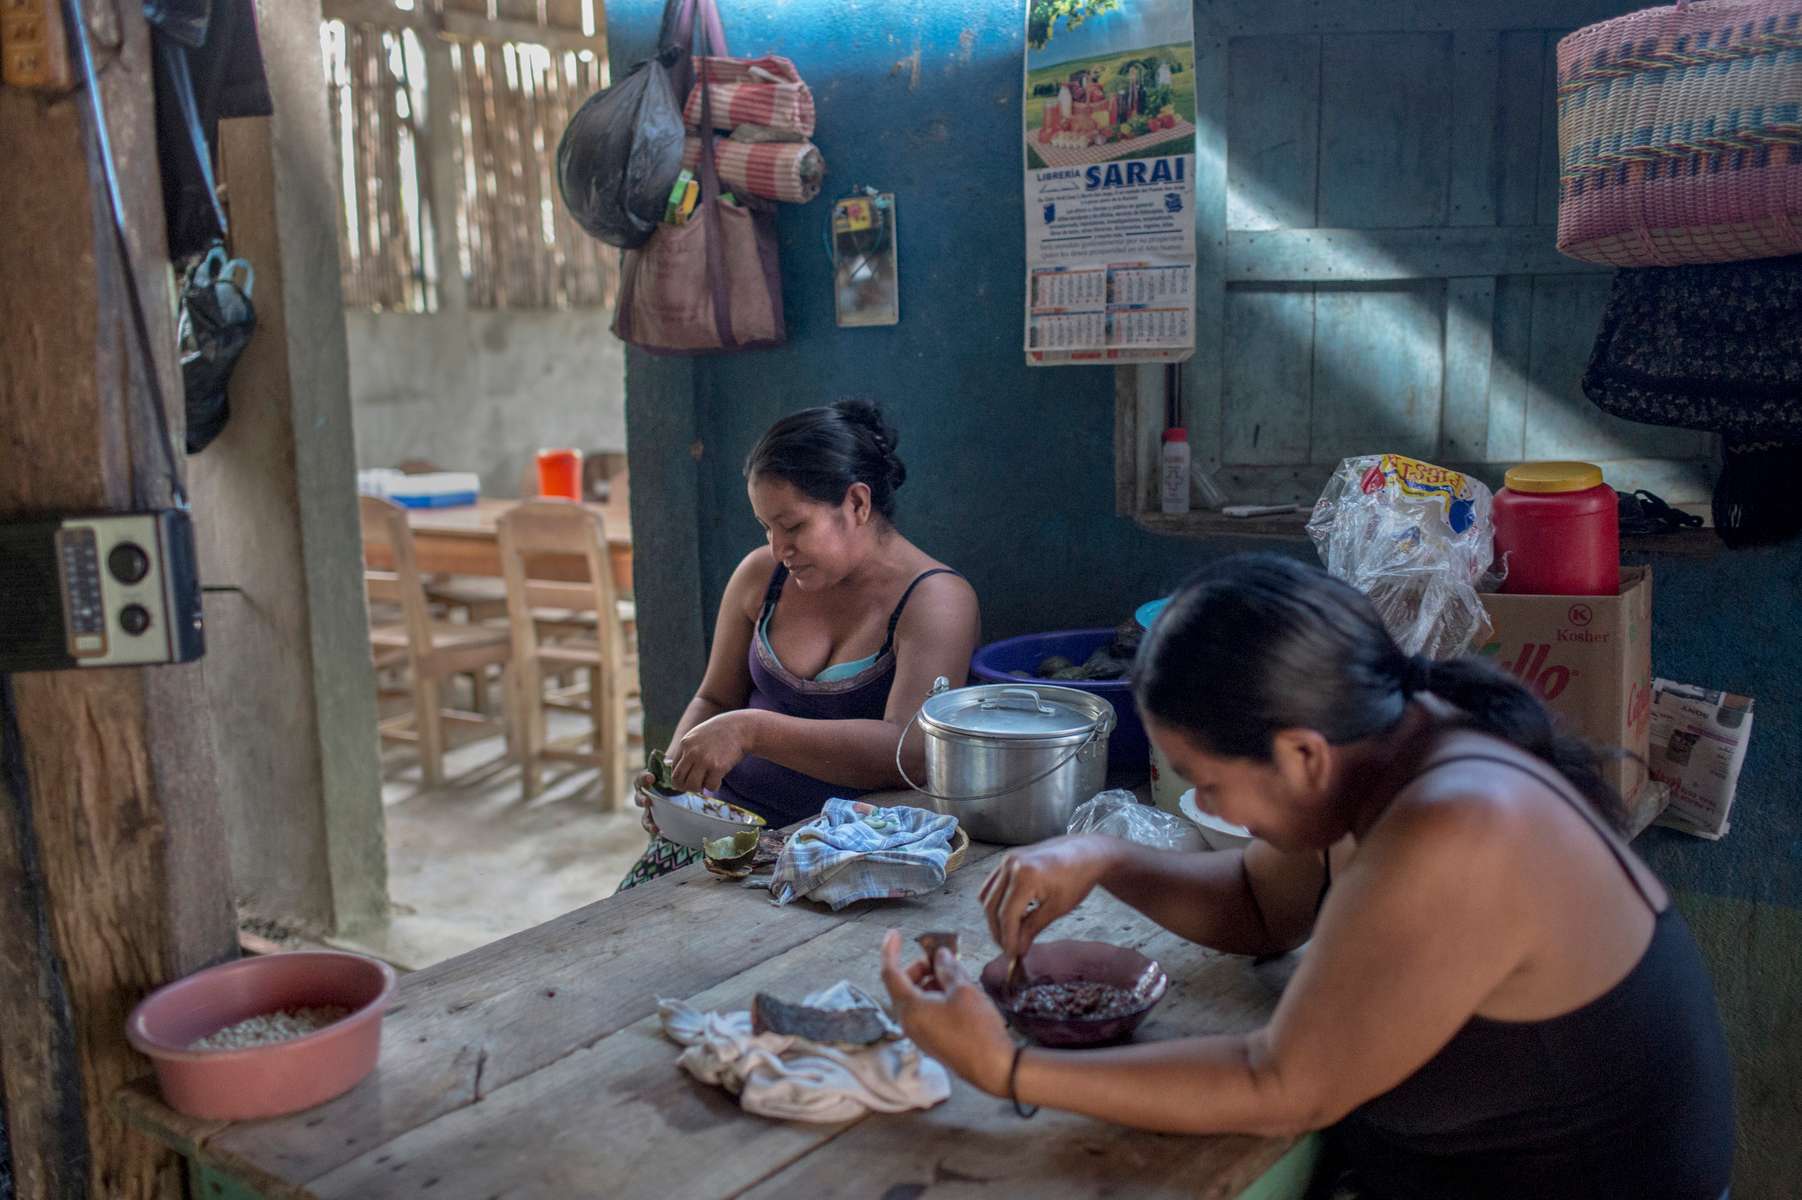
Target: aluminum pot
(1012, 763)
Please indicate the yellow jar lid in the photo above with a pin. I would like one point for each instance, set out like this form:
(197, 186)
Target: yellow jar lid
(1545, 477)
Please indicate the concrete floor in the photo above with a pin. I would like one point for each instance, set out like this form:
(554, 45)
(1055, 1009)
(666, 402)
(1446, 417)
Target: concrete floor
(472, 862)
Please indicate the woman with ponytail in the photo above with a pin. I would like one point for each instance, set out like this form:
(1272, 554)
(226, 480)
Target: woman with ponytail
(829, 636)
(1497, 998)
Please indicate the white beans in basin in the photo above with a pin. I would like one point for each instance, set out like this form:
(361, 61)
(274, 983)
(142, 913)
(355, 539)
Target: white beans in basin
(278, 1026)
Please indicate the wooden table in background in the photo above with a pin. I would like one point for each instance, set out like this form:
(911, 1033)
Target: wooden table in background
(462, 541)
(535, 1067)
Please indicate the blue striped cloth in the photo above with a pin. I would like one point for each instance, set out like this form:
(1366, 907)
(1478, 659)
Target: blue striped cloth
(858, 851)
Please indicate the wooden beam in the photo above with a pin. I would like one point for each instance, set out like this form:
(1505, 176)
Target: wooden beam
(112, 854)
(1126, 440)
(1241, 18)
(461, 26)
(276, 516)
(1376, 255)
(466, 27)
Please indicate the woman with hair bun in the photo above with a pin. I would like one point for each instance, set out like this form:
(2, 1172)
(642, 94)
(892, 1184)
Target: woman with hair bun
(1498, 1001)
(829, 635)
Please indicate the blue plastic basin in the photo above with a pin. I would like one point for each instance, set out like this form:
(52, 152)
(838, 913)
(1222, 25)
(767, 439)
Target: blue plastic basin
(1128, 749)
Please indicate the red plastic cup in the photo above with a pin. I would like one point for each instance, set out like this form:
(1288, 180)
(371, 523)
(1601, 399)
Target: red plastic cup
(560, 474)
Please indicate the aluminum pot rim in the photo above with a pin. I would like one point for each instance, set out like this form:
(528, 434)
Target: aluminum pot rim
(1103, 717)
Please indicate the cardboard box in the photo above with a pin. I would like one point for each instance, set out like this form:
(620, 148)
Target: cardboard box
(1590, 659)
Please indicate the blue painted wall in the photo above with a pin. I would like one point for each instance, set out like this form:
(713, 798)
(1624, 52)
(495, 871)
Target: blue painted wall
(1012, 471)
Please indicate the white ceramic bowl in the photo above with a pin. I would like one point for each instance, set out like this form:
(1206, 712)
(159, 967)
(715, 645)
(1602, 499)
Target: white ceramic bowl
(686, 827)
(1217, 833)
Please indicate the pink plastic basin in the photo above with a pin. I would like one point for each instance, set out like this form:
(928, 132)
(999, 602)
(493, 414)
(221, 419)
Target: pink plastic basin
(282, 1077)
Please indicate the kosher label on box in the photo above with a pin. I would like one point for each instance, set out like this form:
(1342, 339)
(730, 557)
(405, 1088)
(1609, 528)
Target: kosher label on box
(1109, 100)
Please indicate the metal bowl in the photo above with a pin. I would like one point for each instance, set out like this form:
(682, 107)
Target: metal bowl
(1080, 962)
(686, 827)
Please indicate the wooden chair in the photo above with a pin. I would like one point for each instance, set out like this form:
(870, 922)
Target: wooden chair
(589, 633)
(475, 598)
(431, 650)
(599, 469)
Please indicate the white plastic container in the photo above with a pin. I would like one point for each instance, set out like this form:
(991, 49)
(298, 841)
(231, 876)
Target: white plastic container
(1217, 832)
(1175, 491)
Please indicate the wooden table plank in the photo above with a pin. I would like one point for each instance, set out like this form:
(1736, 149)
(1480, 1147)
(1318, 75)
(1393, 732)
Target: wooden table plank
(976, 1146)
(535, 1067)
(478, 1022)
(621, 1119)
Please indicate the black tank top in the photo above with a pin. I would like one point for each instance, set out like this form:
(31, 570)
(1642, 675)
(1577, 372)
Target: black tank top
(1630, 1095)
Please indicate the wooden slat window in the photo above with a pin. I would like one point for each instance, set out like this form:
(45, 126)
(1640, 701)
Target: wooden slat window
(518, 247)
(375, 81)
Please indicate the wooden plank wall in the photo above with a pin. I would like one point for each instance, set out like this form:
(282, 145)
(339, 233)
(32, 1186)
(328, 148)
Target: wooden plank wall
(523, 249)
(1389, 277)
(111, 842)
(512, 74)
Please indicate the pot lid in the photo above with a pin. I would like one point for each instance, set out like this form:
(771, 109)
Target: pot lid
(1006, 711)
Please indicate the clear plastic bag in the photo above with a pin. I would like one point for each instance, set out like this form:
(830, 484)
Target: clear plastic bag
(1416, 539)
(1119, 814)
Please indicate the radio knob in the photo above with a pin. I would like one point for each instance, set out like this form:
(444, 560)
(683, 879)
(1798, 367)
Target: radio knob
(134, 619)
(128, 562)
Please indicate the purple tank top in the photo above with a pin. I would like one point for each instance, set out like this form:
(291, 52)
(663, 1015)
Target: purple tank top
(774, 792)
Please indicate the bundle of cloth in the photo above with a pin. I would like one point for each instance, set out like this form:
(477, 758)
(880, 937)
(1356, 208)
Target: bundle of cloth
(855, 851)
(1715, 347)
(767, 114)
(792, 1077)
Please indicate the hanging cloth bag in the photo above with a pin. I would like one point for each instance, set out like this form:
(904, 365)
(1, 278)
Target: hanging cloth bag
(712, 284)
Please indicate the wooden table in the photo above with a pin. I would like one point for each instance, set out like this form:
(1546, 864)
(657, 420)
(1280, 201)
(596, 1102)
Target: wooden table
(463, 541)
(534, 1067)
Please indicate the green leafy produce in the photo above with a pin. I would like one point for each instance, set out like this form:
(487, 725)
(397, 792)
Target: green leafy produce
(659, 767)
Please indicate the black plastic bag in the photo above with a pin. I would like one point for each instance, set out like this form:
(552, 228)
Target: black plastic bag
(621, 153)
(217, 320)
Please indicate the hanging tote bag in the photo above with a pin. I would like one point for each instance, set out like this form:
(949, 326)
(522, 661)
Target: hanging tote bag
(712, 284)
(1680, 135)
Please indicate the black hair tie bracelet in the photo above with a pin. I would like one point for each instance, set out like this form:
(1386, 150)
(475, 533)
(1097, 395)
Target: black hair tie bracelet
(1012, 1073)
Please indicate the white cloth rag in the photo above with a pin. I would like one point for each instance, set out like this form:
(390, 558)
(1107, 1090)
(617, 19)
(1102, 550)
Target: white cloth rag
(794, 1079)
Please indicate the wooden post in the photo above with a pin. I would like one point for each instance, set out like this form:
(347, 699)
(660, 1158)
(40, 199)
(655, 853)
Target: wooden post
(275, 514)
(112, 855)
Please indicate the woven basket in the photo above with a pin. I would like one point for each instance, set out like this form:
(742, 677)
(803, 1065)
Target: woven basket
(1680, 135)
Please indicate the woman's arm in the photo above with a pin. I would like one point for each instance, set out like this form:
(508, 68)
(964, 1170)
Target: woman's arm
(1418, 932)
(936, 636)
(1256, 901)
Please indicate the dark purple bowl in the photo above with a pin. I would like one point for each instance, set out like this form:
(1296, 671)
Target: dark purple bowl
(1074, 962)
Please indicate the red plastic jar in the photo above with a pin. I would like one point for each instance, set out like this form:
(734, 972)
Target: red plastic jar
(1557, 525)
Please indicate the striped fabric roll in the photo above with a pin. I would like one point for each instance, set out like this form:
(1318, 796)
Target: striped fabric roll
(1680, 135)
(753, 91)
(786, 171)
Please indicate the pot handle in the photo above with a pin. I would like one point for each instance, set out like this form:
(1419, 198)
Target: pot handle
(1033, 701)
(1099, 733)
